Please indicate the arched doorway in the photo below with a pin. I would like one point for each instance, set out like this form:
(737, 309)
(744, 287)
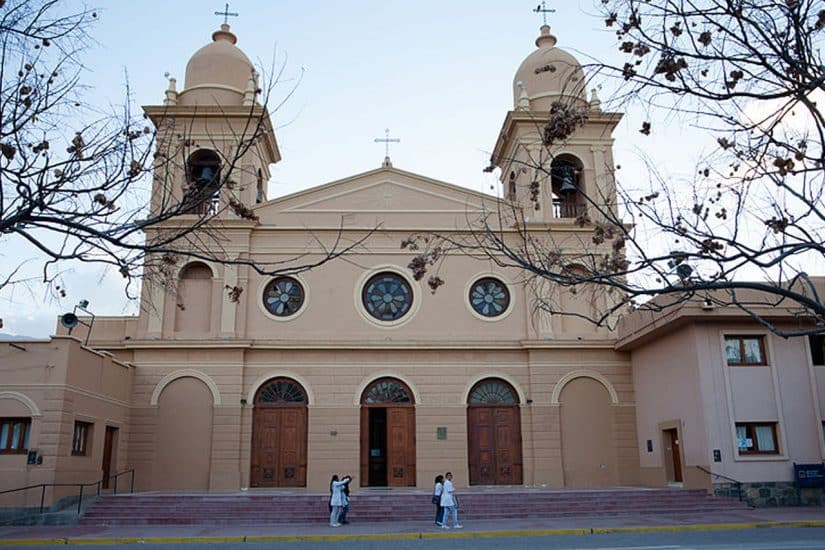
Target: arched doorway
(279, 435)
(494, 434)
(587, 442)
(387, 434)
(183, 440)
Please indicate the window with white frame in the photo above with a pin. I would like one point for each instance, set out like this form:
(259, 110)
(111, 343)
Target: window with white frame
(756, 438)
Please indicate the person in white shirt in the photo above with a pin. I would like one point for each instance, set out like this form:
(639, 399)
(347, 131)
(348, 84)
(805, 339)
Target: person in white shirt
(437, 490)
(336, 502)
(448, 501)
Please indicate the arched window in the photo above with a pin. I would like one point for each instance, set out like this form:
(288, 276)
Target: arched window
(511, 187)
(260, 194)
(194, 299)
(492, 391)
(196, 270)
(203, 175)
(387, 390)
(579, 301)
(281, 392)
(567, 186)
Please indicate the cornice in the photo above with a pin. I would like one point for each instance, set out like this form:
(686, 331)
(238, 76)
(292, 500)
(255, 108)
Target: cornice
(310, 345)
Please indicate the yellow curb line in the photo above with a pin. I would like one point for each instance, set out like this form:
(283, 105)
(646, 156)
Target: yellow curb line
(332, 538)
(31, 542)
(153, 540)
(414, 536)
(710, 527)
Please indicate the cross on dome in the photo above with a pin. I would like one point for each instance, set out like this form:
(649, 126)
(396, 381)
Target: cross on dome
(226, 14)
(543, 10)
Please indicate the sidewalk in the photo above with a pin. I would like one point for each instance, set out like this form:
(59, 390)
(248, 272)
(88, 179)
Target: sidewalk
(76, 534)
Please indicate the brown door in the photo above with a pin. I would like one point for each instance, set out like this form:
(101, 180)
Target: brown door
(387, 435)
(494, 441)
(108, 452)
(401, 447)
(672, 439)
(279, 447)
(388, 446)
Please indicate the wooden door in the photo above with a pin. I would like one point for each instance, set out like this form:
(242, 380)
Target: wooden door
(673, 439)
(387, 405)
(108, 453)
(508, 446)
(401, 447)
(279, 447)
(494, 445)
(365, 446)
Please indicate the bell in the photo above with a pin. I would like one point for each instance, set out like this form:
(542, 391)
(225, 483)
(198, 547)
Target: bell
(567, 187)
(206, 176)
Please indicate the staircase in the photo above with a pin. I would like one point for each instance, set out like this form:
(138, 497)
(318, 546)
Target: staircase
(372, 506)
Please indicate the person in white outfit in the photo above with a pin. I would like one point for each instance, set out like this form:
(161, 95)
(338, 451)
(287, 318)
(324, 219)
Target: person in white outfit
(448, 502)
(336, 502)
(438, 488)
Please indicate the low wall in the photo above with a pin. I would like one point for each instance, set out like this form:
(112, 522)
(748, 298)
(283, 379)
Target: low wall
(771, 493)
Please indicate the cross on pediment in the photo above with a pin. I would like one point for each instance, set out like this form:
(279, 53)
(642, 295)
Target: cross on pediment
(386, 140)
(226, 14)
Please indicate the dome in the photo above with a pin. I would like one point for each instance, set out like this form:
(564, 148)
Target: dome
(217, 73)
(547, 74)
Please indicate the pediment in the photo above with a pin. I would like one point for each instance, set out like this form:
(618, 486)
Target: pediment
(393, 196)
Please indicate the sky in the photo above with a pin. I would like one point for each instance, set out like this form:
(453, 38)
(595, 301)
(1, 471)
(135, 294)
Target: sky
(438, 74)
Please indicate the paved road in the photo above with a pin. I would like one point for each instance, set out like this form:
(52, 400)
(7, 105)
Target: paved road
(751, 539)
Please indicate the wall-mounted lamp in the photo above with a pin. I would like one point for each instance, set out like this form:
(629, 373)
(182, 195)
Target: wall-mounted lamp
(243, 401)
(529, 401)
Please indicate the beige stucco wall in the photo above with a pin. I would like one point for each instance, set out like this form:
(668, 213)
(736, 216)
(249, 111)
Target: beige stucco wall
(667, 386)
(334, 380)
(712, 397)
(56, 383)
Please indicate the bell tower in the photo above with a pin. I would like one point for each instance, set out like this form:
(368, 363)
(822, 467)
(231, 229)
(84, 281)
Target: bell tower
(554, 151)
(555, 176)
(215, 141)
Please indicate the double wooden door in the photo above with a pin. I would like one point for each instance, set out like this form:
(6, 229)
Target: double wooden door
(388, 446)
(279, 447)
(494, 445)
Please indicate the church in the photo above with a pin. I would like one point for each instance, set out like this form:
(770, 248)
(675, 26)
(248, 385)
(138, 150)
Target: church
(232, 380)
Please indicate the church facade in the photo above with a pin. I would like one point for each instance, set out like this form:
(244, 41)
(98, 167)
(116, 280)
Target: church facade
(355, 367)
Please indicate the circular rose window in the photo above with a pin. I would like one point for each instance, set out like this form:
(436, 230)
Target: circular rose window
(489, 297)
(387, 296)
(283, 296)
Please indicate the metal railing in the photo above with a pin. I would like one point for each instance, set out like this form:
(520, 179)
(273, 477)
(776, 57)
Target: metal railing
(564, 209)
(735, 481)
(81, 486)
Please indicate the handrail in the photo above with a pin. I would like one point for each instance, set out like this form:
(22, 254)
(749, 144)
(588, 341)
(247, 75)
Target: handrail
(131, 483)
(43, 486)
(736, 481)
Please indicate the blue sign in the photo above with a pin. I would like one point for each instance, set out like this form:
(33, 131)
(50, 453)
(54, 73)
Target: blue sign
(809, 475)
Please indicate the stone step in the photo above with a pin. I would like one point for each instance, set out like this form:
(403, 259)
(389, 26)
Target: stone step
(222, 509)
